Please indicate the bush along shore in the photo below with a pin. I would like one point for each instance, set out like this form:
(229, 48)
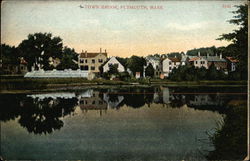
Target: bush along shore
(19, 83)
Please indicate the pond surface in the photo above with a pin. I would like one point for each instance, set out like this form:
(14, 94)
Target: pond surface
(153, 123)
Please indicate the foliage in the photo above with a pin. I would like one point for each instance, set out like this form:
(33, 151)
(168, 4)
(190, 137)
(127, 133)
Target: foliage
(230, 137)
(136, 64)
(203, 51)
(149, 71)
(9, 54)
(190, 73)
(68, 57)
(113, 69)
(39, 47)
(174, 54)
(239, 38)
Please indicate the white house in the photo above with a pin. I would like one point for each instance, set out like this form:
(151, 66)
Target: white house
(169, 64)
(113, 61)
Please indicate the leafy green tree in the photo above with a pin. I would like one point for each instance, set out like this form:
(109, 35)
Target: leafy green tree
(39, 47)
(149, 71)
(136, 64)
(239, 38)
(69, 57)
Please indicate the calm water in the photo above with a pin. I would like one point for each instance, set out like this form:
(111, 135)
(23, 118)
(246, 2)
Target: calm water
(156, 123)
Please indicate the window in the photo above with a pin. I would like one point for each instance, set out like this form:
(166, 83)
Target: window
(93, 60)
(100, 60)
(174, 63)
(170, 68)
(170, 63)
(81, 60)
(196, 62)
(86, 60)
(93, 102)
(92, 68)
(84, 67)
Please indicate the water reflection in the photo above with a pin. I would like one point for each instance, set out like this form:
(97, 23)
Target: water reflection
(156, 122)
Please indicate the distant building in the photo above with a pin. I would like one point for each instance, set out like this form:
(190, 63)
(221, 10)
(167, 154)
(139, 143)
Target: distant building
(20, 68)
(231, 64)
(169, 64)
(206, 61)
(156, 63)
(91, 61)
(113, 61)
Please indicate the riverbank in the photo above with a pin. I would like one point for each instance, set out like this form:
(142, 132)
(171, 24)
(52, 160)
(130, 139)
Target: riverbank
(20, 85)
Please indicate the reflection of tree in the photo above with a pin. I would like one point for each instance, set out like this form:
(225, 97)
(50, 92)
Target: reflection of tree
(42, 116)
(10, 107)
(230, 139)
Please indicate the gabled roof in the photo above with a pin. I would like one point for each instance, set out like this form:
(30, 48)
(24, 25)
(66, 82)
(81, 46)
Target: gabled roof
(90, 55)
(233, 60)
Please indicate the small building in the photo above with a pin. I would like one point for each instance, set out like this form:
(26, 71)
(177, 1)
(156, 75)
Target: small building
(206, 61)
(20, 68)
(113, 61)
(232, 64)
(169, 64)
(91, 61)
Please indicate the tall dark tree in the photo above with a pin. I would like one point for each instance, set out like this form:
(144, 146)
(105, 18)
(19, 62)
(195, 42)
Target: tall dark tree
(149, 71)
(239, 38)
(136, 64)
(68, 60)
(9, 54)
(39, 47)
(113, 69)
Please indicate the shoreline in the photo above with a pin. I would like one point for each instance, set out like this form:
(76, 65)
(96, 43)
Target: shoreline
(73, 86)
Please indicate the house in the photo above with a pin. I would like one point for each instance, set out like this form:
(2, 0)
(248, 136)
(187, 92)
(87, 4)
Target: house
(231, 64)
(156, 63)
(20, 68)
(206, 61)
(169, 64)
(113, 61)
(91, 61)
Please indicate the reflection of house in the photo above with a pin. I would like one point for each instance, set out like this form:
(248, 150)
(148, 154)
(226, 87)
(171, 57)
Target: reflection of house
(112, 102)
(169, 64)
(92, 103)
(232, 63)
(91, 61)
(156, 63)
(115, 62)
(205, 100)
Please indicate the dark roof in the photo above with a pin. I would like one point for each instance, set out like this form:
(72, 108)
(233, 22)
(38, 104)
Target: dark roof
(90, 55)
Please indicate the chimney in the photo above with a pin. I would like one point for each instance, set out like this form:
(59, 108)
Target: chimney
(105, 51)
(220, 56)
(199, 54)
(85, 53)
(100, 50)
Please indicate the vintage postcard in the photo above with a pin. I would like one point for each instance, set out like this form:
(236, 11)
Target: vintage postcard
(124, 80)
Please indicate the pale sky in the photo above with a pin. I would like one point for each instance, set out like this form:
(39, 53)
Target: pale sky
(178, 26)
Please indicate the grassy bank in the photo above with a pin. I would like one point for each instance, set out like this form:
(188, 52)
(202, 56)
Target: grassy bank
(19, 83)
